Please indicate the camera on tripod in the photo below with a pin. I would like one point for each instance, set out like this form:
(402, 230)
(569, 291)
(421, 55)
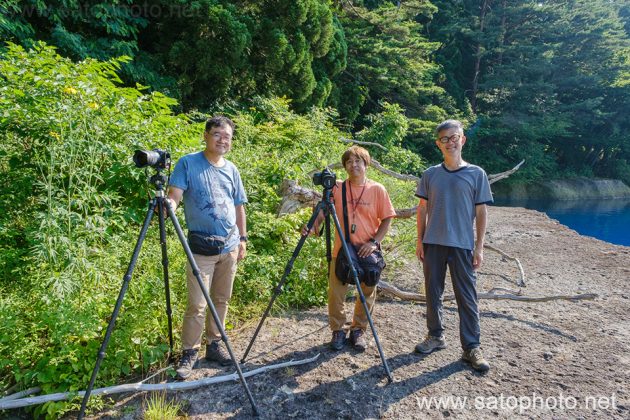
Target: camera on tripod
(325, 178)
(156, 158)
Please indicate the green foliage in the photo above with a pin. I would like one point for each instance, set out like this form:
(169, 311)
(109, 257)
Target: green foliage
(69, 210)
(72, 204)
(158, 407)
(389, 128)
(390, 61)
(545, 78)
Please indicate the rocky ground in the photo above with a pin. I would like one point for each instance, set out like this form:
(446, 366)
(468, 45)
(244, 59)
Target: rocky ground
(556, 359)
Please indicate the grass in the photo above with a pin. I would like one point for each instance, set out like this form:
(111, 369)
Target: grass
(158, 407)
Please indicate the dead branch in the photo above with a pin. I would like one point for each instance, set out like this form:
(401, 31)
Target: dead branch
(493, 294)
(364, 143)
(521, 282)
(139, 386)
(497, 177)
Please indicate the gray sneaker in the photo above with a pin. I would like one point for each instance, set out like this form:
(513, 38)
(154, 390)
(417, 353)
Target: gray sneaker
(431, 344)
(187, 363)
(476, 360)
(216, 352)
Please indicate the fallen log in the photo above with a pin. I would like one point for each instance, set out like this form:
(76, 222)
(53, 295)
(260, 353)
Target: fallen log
(492, 294)
(8, 403)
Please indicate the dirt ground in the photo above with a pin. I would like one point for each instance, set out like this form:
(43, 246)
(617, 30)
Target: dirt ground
(556, 359)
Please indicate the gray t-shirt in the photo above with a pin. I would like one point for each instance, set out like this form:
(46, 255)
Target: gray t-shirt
(451, 199)
(210, 196)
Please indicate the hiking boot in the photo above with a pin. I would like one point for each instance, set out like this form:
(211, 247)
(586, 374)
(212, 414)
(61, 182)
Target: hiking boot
(357, 339)
(187, 363)
(215, 352)
(476, 360)
(338, 340)
(430, 344)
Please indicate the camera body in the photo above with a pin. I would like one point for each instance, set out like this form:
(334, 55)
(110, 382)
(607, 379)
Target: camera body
(156, 158)
(325, 178)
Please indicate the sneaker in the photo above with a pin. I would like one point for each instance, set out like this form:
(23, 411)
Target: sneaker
(215, 352)
(357, 338)
(430, 344)
(476, 360)
(187, 363)
(338, 340)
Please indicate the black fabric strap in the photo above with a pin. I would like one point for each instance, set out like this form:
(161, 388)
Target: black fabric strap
(345, 211)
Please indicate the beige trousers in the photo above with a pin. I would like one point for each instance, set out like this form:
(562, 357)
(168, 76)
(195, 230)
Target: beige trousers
(217, 273)
(337, 296)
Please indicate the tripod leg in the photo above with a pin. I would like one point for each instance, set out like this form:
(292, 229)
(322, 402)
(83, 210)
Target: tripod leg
(355, 276)
(121, 295)
(287, 270)
(213, 311)
(167, 290)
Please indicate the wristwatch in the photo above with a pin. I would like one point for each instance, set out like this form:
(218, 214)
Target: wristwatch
(375, 242)
(244, 238)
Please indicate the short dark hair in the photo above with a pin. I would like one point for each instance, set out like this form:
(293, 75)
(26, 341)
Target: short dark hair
(356, 151)
(448, 124)
(219, 121)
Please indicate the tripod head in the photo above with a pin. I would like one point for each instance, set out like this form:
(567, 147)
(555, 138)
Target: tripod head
(159, 180)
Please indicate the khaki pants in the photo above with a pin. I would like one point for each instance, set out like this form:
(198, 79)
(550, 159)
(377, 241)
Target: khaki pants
(337, 296)
(217, 273)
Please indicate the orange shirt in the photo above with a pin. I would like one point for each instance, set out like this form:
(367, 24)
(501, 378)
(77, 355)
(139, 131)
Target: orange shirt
(366, 210)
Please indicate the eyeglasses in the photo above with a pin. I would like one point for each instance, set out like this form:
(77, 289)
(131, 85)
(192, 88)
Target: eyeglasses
(454, 138)
(218, 136)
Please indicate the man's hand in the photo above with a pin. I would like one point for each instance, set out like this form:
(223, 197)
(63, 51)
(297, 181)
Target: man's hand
(366, 249)
(242, 251)
(420, 251)
(477, 258)
(311, 232)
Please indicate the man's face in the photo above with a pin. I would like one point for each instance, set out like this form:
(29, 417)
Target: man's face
(355, 166)
(218, 139)
(450, 141)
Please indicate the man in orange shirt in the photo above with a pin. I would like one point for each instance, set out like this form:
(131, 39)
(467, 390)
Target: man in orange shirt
(370, 212)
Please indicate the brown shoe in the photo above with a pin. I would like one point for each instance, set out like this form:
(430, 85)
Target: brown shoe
(216, 352)
(338, 340)
(357, 339)
(476, 360)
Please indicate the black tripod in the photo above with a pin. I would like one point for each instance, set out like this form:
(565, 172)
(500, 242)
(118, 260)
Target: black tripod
(327, 206)
(159, 202)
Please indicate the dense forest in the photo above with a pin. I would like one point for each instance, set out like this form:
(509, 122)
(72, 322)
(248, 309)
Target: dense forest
(545, 80)
(84, 83)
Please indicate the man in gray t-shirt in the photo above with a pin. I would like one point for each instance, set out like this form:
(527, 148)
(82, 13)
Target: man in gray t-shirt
(453, 196)
(214, 199)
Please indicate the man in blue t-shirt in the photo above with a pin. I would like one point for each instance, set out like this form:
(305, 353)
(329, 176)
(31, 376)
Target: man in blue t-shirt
(214, 199)
(453, 196)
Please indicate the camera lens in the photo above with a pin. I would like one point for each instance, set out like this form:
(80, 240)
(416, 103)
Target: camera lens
(144, 158)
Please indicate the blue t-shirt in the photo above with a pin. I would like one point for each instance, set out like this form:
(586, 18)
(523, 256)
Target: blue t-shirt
(451, 200)
(210, 196)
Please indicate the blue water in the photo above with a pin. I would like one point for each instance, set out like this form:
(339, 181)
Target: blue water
(608, 220)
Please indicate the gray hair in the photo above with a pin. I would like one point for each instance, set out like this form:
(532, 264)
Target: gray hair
(448, 124)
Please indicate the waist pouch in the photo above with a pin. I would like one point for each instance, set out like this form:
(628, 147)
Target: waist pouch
(204, 244)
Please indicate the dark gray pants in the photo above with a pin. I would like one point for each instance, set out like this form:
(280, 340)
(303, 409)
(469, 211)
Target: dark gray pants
(459, 262)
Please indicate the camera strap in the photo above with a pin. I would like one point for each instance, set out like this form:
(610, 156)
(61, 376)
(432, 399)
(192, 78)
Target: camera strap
(345, 211)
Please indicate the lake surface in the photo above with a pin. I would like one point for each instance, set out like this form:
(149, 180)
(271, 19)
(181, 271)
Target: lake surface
(608, 220)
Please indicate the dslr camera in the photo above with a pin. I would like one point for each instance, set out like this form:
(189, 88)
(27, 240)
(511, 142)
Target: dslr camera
(156, 158)
(325, 178)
